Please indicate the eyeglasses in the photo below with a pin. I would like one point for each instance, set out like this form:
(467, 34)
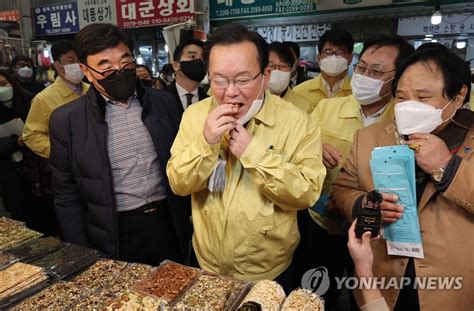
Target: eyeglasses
(242, 82)
(112, 74)
(282, 66)
(373, 73)
(327, 53)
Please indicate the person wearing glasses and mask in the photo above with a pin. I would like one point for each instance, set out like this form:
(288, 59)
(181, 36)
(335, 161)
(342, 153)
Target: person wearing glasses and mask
(249, 159)
(339, 119)
(189, 71)
(334, 57)
(108, 155)
(281, 63)
(430, 91)
(22, 67)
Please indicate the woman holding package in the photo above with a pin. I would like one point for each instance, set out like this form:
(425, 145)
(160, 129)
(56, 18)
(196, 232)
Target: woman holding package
(430, 93)
(14, 104)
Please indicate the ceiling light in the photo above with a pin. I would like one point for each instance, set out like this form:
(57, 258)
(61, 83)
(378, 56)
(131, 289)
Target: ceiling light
(437, 17)
(461, 44)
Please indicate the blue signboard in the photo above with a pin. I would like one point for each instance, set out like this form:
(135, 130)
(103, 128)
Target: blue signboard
(56, 19)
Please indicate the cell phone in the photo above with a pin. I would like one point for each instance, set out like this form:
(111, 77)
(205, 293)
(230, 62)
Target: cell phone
(369, 215)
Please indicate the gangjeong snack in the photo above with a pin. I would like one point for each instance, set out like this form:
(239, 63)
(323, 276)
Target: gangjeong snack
(302, 300)
(56, 297)
(8, 223)
(6, 260)
(268, 295)
(168, 281)
(99, 274)
(134, 301)
(209, 292)
(18, 278)
(35, 249)
(16, 235)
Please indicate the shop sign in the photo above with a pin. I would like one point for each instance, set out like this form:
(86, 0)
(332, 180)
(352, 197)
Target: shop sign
(451, 24)
(56, 19)
(96, 11)
(295, 33)
(349, 4)
(225, 9)
(11, 15)
(143, 13)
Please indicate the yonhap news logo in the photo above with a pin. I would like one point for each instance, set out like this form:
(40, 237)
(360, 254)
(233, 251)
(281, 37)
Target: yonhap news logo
(318, 281)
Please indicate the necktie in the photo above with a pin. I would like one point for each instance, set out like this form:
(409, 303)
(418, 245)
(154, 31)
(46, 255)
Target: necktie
(189, 98)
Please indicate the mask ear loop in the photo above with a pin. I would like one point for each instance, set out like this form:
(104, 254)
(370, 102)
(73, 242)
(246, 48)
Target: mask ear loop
(389, 92)
(452, 115)
(261, 86)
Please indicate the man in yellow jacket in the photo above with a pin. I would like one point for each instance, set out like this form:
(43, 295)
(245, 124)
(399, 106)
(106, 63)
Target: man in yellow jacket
(67, 87)
(334, 57)
(339, 119)
(250, 160)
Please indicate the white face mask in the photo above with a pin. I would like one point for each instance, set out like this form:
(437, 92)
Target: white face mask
(73, 73)
(333, 65)
(279, 81)
(6, 93)
(254, 108)
(25, 72)
(415, 117)
(366, 89)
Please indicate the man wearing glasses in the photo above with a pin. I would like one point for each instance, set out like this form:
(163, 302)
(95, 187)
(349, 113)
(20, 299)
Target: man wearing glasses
(249, 159)
(108, 155)
(334, 57)
(339, 119)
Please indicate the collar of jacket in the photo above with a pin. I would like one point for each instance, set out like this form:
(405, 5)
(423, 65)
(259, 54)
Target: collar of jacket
(352, 109)
(97, 102)
(317, 84)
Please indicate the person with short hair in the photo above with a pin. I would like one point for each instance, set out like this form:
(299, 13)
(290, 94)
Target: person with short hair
(144, 75)
(334, 57)
(298, 73)
(23, 68)
(189, 70)
(249, 160)
(430, 91)
(281, 63)
(109, 151)
(166, 75)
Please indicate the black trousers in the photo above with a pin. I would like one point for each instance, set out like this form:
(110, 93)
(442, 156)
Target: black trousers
(148, 236)
(11, 194)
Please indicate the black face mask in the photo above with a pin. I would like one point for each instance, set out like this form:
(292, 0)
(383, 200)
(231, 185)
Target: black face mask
(147, 83)
(194, 69)
(122, 85)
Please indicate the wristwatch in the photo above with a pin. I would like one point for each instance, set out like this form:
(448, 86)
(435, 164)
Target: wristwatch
(438, 173)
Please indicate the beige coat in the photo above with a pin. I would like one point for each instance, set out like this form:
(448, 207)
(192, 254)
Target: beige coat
(446, 222)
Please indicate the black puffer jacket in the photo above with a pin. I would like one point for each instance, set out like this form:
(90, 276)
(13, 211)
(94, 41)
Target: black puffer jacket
(82, 178)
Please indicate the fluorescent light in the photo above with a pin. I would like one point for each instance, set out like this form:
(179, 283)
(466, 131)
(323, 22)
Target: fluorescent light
(428, 35)
(437, 17)
(434, 40)
(140, 59)
(460, 44)
(166, 48)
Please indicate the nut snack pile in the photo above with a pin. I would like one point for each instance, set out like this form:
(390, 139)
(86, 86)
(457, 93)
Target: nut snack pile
(99, 274)
(18, 279)
(168, 281)
(135, 301)
(302, 300)
(14, 233)
(268, 295)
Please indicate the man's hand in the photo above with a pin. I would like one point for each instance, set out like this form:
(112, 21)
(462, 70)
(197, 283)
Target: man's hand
(432, 153)
(331, 156)
(219, 121)
(240, 138)
(390, 211)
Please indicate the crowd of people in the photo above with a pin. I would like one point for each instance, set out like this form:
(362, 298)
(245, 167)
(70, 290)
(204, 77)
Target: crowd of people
(259, 176)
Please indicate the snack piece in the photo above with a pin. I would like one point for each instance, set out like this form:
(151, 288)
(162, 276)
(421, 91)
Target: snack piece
(128, 277)
(35, 249)
(269, 295)
(18, 278)
(56, 297)
(67, 260)
(168, 281)
(134, 301)
(209, 292)
(8, 223)
(16, 235)
(303, 300)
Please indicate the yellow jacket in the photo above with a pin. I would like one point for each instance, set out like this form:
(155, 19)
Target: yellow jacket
(36, 130)
(297, 100)
(339, 120)
(314, 91)
(249, 231)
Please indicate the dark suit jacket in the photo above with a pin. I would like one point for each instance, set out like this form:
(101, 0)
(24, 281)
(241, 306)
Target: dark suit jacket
(174, 91)
(82, 178)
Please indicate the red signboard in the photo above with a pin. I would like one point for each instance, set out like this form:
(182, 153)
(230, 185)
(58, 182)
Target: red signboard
(143, 13)
(12, 15)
